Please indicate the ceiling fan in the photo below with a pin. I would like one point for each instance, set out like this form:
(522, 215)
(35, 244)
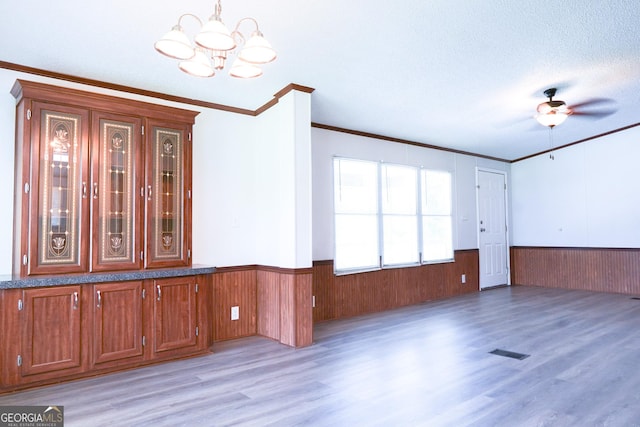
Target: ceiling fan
(554, 112)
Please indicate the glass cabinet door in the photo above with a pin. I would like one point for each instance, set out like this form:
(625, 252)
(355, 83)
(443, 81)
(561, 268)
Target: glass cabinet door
(59, 179)
(115, 192)
(166, 193)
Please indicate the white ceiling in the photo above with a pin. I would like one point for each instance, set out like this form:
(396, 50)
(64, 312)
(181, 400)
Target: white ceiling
(459, 74)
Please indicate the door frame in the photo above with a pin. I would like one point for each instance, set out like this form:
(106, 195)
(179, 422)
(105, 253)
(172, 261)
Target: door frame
(480, 169)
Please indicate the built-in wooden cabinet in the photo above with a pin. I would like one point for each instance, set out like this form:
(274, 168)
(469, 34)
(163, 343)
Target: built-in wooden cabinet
(175, 315)
(51, 337)
(67, 332)
(96, 176)
(102, 193)
(118, 332)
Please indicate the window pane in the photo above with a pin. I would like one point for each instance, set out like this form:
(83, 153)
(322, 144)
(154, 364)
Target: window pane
(356, 241)
(436, 193)
(437, 238)
(356, 214)
(399, 189)
(400, 239)
(355, 186)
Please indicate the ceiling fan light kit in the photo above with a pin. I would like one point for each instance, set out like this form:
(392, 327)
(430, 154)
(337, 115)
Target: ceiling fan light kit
(552, 113)
(212, 45)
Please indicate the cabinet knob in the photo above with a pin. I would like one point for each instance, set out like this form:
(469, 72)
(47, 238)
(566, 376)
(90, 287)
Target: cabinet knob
(95, 190)
(99, 299)
(159, 292)
(149, 192)
(75, 300)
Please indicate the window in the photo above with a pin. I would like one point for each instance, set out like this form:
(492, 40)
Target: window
(399, 215)
(390, 215)
(356, 214)
(437, 233)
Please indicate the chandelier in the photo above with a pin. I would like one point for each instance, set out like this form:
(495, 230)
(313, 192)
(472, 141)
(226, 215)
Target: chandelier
(213, 43)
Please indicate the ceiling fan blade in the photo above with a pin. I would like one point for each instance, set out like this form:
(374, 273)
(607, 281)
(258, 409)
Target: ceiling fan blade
(591, 102)
(593, 114)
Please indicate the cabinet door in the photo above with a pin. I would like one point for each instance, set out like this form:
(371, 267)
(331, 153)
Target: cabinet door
(51, 336)
(168, 182)
(117, 324)
(59, 190)
(115, 192)
(174, 314)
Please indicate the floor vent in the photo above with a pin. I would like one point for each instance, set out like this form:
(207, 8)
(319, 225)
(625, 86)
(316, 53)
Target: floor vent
(510, 354)
(635, 297)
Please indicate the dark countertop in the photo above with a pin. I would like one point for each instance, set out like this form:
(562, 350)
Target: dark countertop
(7, 282)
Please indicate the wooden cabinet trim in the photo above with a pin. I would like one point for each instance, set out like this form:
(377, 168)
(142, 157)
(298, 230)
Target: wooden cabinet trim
(96, 101)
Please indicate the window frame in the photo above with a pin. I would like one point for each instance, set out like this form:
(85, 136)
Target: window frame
(380, 216)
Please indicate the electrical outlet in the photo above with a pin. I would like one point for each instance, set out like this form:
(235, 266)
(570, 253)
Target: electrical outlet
(463, 278)
(235, 312)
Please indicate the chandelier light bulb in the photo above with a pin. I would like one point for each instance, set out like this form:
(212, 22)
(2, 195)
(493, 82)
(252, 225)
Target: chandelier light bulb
(215, 35)
(244, 70)
(198, 66)
(175, 44)
(257, 50)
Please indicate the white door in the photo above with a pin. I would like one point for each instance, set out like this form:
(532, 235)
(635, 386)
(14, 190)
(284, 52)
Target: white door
(492, 227)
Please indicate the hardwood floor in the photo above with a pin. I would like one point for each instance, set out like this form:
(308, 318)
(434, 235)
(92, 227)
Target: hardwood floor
(423, 365)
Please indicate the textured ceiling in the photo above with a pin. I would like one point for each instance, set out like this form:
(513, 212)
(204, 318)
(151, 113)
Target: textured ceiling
(459, 74)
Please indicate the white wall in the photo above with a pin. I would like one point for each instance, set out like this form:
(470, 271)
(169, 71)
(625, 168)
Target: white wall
(282, 163)
(224, 190)
(328, 144)
(589, 196)
(7, 144)
(244, 180)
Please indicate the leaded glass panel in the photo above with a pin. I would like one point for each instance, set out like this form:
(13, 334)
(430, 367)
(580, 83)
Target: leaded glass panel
(60, 189)
(167, 214)
(117, 193)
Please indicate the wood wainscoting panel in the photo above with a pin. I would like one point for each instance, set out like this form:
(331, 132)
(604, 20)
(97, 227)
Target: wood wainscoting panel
(304, 310)
(324, 291)
(591, 269)
(234, 287)
(274, 302)
(354, 294)
(268, 289)
(364, 293)
(284, 305)
(287, 315)
(296, 317)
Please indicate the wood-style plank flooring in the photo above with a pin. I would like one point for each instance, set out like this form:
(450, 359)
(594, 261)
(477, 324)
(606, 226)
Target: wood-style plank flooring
(423, 365)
